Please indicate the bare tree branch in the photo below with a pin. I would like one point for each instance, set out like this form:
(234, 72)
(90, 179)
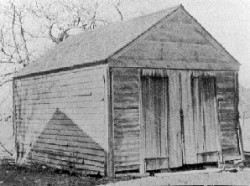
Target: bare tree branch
(23, 39)
(4, 82)
(5, 149)
(13, 30)
(118, 9)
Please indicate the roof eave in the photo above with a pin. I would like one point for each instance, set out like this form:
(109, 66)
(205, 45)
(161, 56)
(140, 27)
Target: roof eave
(95, 63)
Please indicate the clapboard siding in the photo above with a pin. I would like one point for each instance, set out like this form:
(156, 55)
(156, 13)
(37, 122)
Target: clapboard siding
(228, 112)
(174, 51)
(175, 41)
(183, 142)
(174, 129)
(60, 115)
(177, 33)
(125, 86)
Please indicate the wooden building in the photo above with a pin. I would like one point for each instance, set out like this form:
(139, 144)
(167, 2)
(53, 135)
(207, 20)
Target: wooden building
(152, 93)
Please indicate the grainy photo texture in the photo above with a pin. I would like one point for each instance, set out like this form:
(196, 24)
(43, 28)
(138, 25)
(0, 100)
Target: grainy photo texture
(124, 92)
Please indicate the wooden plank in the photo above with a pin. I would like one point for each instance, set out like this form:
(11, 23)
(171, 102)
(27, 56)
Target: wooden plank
(126, 114)
(66, 139)
(51, 105)
(97, 152)
(52, 87)
(73, 99)
(78, 88)
(130, 158)
(85, 144)
(155, 103)
(239, 131)
(110, 101)
(224, 84)
(61, 149)
(175, 153)
(56, 101)
(80, 120)
(133, 153)
(171, 64)
(128, 87)
(173, 51)
(70, 159)
(124, 147)
(63, 167)
(80, 116)
(127, 121)
(97, 110)
(123, 100)
(97, 135)
(66, 153)
(88, 94)
(62, 73)
(122, 130)
(68, 164)
(182, 33)
(106, 118)
(120, 72)
(36, 86)
(55, 86)
(126, 163)
(127, 168)
(206, 118)
(14, 117)
(219, 146)
(64, 76)
(189, 127)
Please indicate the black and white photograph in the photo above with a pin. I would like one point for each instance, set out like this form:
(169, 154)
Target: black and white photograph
(124, 92)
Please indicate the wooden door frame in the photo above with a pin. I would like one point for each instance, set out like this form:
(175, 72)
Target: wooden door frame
(142, 128)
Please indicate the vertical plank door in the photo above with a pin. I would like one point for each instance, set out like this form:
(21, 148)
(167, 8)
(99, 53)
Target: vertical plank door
(154, 108)
(205, 119)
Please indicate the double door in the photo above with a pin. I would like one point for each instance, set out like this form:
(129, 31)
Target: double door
(190, 133)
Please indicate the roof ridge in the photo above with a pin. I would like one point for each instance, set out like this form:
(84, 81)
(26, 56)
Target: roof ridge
(175, 8)
(128, 20)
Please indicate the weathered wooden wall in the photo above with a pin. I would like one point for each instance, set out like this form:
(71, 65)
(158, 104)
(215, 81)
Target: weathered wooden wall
(178, 42)
(184, 132)
(227, 97)
(181, 44)
(60, 119)
(125, 93)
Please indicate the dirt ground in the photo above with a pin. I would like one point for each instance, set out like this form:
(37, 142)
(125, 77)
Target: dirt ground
(15, 175)
(192, 178)
(11, 175)
(36, 175)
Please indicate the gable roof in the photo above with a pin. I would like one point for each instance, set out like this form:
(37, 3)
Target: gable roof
(95, 45)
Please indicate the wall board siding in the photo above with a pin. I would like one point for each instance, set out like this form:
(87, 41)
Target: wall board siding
(61, 115)
(174, 51)
(175, 43)
(183, 142)
(126, 118)
(174, 128)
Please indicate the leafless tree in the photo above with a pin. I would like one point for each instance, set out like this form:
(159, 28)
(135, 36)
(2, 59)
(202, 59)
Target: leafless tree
(14, 50)
(28, 28)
